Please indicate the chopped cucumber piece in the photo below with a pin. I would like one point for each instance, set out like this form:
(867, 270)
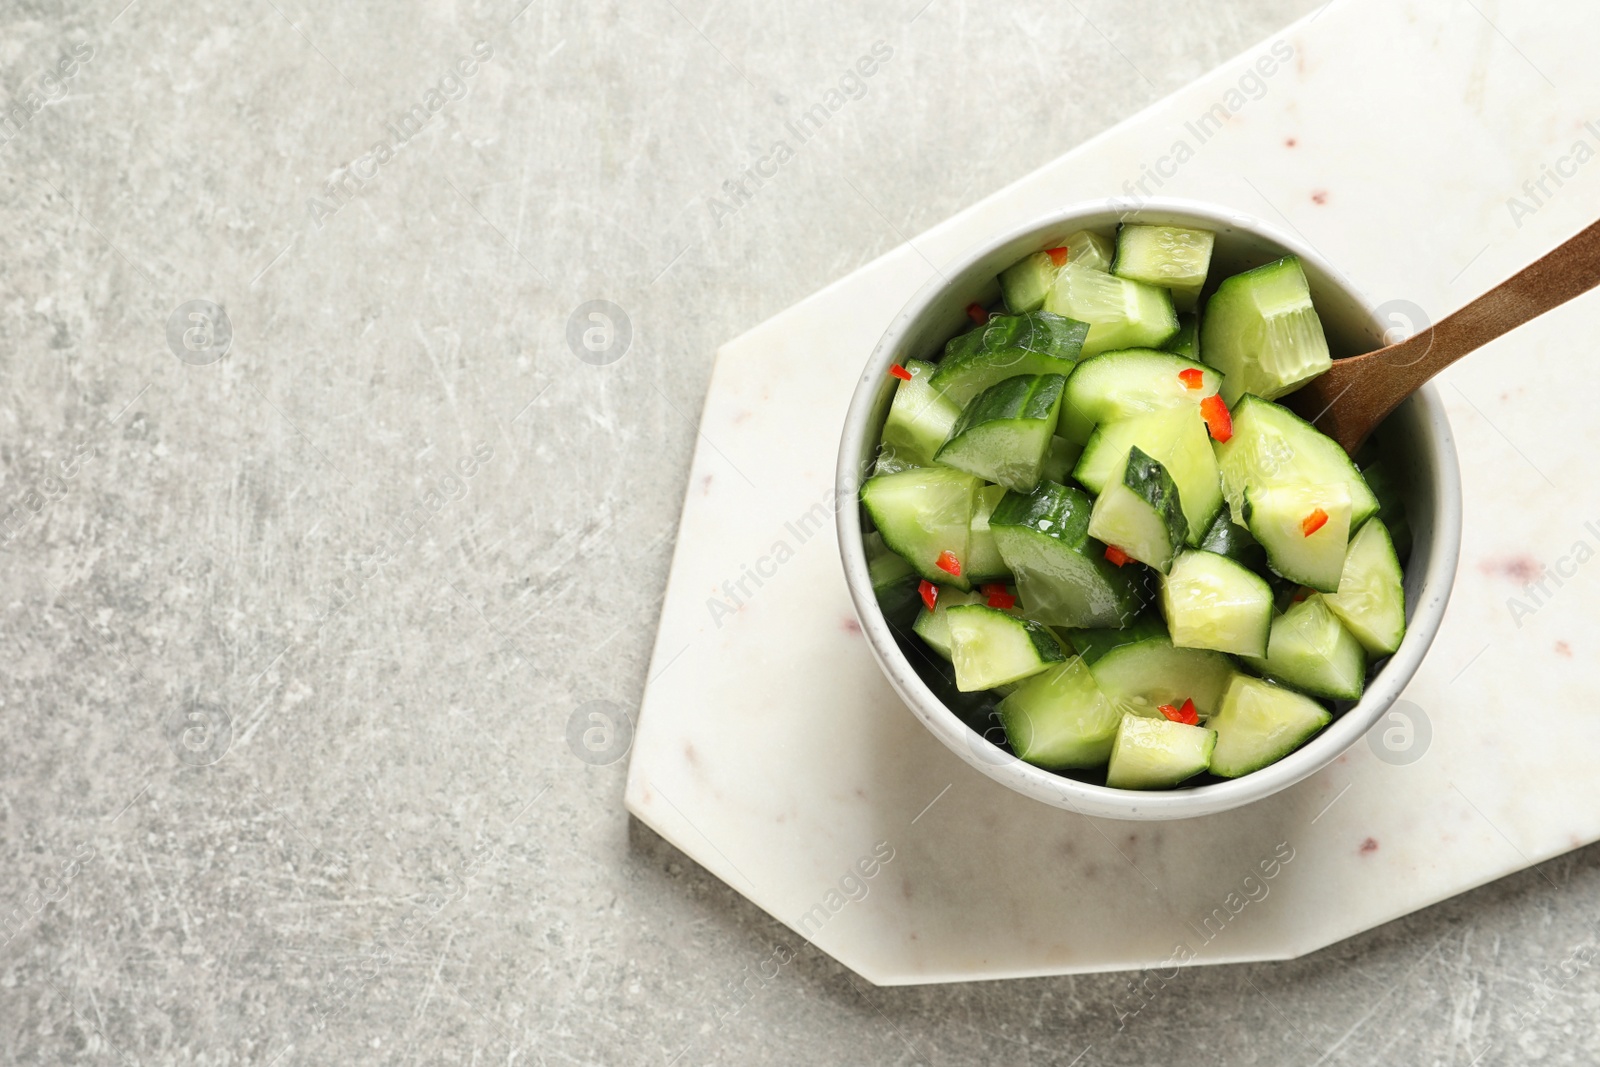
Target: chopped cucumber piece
(1089, 249)
(1371, 601)
(1025, 282)
(1271, 446)
(1186, 342)
(983, 555)
(1120, 313)
(1060, 459)
(894, 581)
(1176, 437)
(1004, 432)
(1228, 538)
(990, 648)
(1260, 723)
(1312, 651)
(923, 513)
(919, 419)
(1140, 512)
(1262, 331)
(1059, 719)
(1139, 669)
(934, 626)
(1157, 753)
(1305, 530)
(1117, 385)
(1168, 256)
(1212, 602)
(1035, 343)
(1063, 578)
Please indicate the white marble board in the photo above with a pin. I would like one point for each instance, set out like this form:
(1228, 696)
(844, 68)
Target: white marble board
(770, 749)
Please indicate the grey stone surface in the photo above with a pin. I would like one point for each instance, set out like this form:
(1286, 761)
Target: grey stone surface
(293, 632)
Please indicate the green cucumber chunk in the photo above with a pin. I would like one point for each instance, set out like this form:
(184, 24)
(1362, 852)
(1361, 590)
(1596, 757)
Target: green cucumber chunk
(1158, 753)
(1310, 650)
(1025, 283)
(934, 626)
(989, 647)
(1212, 602)
(1004, 432)
(1271, 445)
(1172, 257)
(983, 555)
(1118, 385)
(920, 419)
(1059, 719)
(1186, 342)
(1009, 345)
(1175, 437)
(1120, 313)
(1260, 723)
(1277, 518)
(1263, 333)
(1063, 577)
(1371, 601)
(1089, 249)
(1140, 512)
(1139, 669)
(923, 513)
(894, 581)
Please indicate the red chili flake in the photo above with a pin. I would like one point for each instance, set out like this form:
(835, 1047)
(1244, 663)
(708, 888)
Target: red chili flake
(1300, 597)
(930, 593)
(1314, 521)
(1058, 256)
(897, 371)
(979, 315)
(1218, 420)
(1192, 377)
(1002, 600)
(1116, 555)
(948, 563)
(992, 588)
(1187, 714)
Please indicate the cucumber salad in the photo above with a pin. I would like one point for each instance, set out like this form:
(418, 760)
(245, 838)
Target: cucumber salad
(1102, 543)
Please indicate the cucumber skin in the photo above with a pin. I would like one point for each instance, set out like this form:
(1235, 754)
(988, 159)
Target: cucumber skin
(1228, 538)
(1147, 479)
(1026, 396)
(1033, 343)
(1061, 513)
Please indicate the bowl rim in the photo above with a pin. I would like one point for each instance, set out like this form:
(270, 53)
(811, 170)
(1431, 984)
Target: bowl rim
(1433, 592)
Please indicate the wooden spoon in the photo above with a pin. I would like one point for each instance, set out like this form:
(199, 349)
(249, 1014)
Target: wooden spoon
(1350, 399)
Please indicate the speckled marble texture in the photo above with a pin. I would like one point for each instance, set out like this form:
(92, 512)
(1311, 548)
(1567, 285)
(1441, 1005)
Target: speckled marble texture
(301, 643)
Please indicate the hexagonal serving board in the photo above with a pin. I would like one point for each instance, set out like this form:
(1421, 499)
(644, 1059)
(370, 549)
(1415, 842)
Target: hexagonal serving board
(1391, 138)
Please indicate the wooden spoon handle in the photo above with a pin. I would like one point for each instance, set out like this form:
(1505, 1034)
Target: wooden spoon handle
(1569, 271)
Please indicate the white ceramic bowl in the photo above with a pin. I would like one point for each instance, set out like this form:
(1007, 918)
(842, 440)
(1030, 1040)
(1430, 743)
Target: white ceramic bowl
(1416, 438)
